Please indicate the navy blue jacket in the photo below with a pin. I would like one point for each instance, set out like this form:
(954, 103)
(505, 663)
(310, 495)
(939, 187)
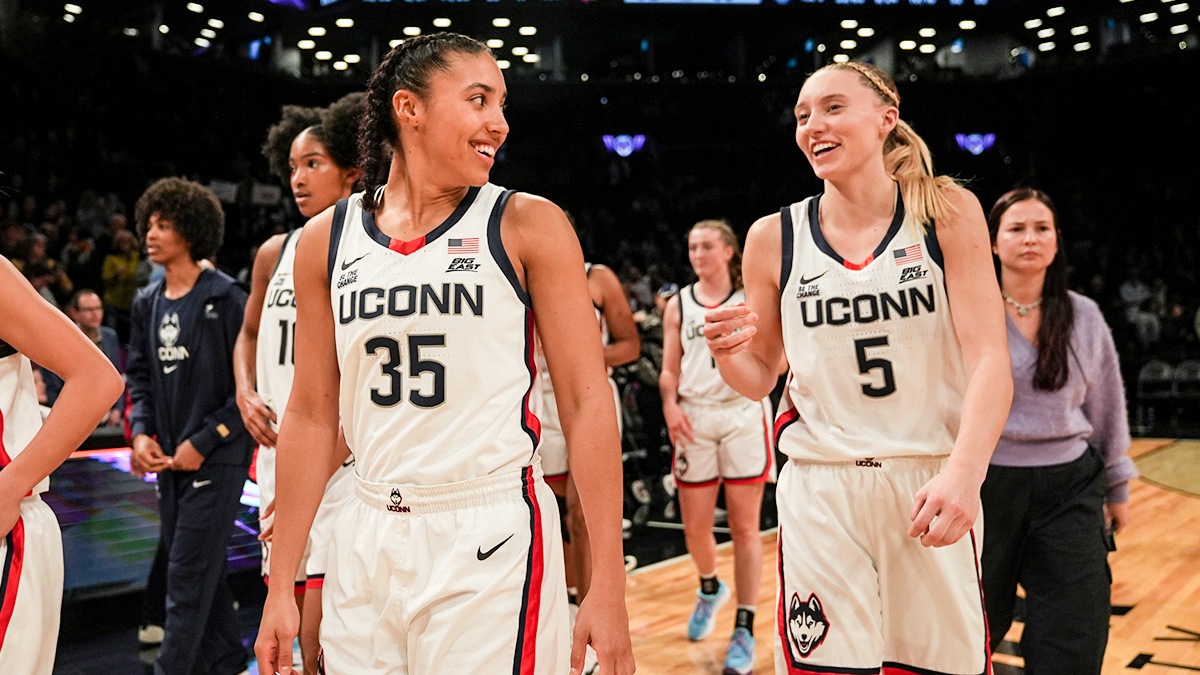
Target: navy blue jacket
(180, 368)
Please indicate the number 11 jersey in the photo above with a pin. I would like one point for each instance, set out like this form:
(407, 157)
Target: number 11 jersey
(876, 368)
(435, 341)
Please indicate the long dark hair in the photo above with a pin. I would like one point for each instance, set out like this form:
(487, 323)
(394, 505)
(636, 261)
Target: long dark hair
(1058, 314)
(409, 66)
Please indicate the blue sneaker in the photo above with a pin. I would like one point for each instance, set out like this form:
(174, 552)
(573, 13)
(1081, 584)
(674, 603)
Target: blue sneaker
(739, 657)
(704, 617)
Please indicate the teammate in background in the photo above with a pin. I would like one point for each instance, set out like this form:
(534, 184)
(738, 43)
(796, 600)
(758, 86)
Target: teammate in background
(619, 335)
(438, 399)
(719, 436)
(315, 152)
(898, 390)
(185, 421)
(31, 580)
(1060, 470)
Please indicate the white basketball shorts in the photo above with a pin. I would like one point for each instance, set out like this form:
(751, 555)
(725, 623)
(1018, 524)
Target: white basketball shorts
(31, 591)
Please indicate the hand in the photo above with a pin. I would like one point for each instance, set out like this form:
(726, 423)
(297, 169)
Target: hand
(678, 424)
(603, 623)
(10, 512)
(258, 418)
(945, 508)
(113, 418)
(187, 458)
(147, 456)
(728, 330)
(280, 624)
(266, 522)
(1116, 515)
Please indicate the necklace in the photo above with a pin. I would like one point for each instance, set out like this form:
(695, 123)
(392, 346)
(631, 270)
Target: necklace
(1021, 309)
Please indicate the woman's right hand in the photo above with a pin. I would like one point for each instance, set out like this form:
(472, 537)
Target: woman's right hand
(257, 417)
(279, 627)
(728, 330)
(678, 424)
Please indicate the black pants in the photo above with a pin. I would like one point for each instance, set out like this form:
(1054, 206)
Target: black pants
(201, 632)
(1044, 528)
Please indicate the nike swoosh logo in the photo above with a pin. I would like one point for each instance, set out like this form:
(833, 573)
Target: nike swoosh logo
(805, 282)
(200, 483)
(167, 370)
(484, 556)
(347, 265)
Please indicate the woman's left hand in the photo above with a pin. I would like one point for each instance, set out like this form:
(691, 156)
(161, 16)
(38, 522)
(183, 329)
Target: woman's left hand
(1116, 515)
(945, 508)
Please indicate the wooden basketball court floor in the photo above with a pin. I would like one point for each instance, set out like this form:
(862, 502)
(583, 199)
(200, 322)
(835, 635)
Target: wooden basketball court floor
(1155, 627)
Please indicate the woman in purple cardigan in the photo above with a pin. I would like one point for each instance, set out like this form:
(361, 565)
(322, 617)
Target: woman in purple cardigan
(1058, 481)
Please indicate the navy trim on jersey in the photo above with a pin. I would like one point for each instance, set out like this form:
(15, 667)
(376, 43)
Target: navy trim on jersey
(406, 247)
(531, 368)
(496, 244)
(335, 233)
(814, 224)
(6, 349)
(283, 248)
(692, 290)
(587, 269)
(788, 231)
(933, 248)
(680, 301)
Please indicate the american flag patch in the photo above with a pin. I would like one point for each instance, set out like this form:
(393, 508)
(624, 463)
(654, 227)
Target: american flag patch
(907, 255)
(462, 246)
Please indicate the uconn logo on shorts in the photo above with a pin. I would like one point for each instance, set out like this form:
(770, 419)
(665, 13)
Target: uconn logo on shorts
(395, 506)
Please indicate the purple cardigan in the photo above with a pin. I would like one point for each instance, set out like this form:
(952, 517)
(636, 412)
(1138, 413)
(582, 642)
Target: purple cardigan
(1045, 428)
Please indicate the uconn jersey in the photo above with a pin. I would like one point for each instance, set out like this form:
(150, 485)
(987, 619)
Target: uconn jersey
(276, 358)
(20, 416)
(435, 337)
(876, 368)
(699, 379)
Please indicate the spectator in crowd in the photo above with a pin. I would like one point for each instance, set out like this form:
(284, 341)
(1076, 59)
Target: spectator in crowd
(86, 310)
(1146, 324)
(1133, 292)
(80, 259)
(119, 272)
(1058, 480)
(44, 273)
(185, 421)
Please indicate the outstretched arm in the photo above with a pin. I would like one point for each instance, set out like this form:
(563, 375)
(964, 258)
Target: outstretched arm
(91, 384)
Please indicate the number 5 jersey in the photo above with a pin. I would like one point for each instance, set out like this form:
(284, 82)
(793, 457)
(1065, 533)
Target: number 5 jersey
(876, 368)
(435, 337)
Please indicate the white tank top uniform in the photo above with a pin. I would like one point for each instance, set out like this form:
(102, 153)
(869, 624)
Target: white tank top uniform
(732, 433)
(450, 557)
(554, 444)
(275, 364)
(870, 413)
(31, 579)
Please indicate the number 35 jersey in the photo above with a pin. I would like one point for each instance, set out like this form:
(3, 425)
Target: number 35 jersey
(435, 340)
(876, 368)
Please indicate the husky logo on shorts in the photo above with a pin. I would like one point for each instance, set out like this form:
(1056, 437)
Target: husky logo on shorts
(680, 464)
(806, 625)
(395, 505)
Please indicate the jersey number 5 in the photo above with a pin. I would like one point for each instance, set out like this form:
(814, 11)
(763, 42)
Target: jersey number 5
(417, 367)
(865, 366)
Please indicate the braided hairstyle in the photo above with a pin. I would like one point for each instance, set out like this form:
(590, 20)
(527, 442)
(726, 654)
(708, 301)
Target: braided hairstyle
(906, 157)
(407, 66)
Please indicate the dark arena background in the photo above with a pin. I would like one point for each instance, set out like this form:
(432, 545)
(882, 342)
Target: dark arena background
(639, 118)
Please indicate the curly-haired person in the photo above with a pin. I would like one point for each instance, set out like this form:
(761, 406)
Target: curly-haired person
(185, 420)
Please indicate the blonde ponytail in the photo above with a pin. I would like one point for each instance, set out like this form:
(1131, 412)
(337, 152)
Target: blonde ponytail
(906, 157)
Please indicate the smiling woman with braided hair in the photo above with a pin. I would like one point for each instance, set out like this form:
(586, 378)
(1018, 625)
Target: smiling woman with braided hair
(415, 304)
(879, 293)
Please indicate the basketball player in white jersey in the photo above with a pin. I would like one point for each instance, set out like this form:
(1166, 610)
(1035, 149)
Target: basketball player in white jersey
(619, 335)
(718, 436)
(31, 576)
(320, 169)
(881, 293)
(416, 302)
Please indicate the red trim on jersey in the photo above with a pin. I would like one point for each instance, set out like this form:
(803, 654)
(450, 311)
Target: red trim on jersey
(12, 569)
(4, 458)
(532, 605)
(785, 418)
(531, 421)
(852, 266)
(316, 581)
(406, 247)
